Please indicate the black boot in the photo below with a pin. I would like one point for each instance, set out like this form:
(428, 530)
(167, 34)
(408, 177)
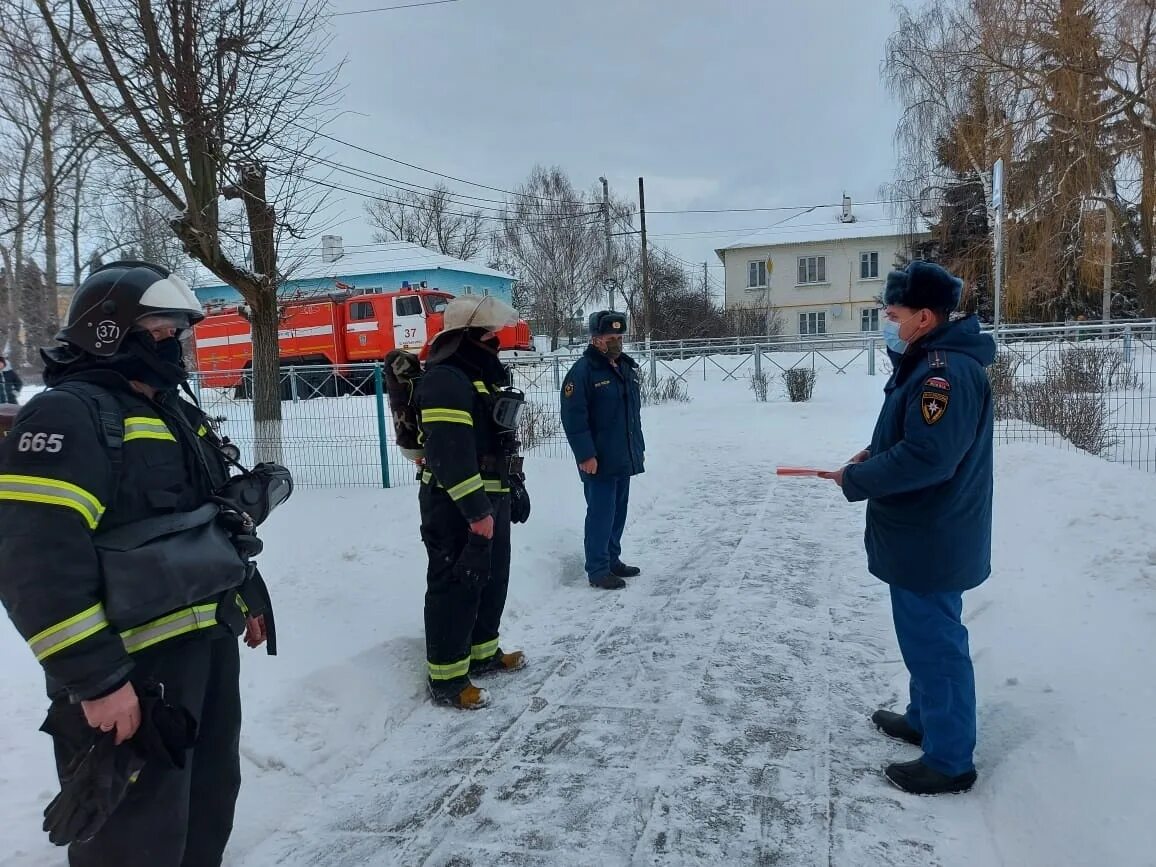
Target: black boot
(895, 725)
(917, 778)
(608, 582)
(623, 571)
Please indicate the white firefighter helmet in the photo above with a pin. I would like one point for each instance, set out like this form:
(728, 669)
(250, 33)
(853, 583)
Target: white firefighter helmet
(472, 311)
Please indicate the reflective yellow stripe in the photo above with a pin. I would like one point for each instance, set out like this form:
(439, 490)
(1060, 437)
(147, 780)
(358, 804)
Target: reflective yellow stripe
(490, 486)
(144, 428)
(449, 672)
(68, 632)
(170, 626)
(241, 604)
(202, 430)
(484, 651)
(52, 492)
(481, 387)
(494, 486)
(464, 489)
(455, 416)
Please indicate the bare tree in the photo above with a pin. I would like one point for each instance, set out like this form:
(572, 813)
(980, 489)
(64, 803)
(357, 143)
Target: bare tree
(209, 100)
(430, 219)
(553, 242)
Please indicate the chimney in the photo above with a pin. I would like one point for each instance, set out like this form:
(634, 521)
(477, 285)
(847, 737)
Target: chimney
(847, 217)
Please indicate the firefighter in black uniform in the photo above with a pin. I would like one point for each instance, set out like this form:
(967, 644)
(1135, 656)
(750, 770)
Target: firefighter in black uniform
(472, 487)
(106, 471)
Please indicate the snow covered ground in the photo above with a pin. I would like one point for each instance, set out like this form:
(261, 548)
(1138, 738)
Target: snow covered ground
(716, 712)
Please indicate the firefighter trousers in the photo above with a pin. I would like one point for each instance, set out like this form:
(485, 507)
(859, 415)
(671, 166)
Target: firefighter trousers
(462, 618)
(175, 818)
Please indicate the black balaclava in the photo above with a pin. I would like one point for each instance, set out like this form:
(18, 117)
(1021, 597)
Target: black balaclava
(139, 359)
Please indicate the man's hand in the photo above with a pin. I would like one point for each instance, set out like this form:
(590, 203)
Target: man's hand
(860, 457)
(484, 527)
(255, 633)
(835, 476)
(589, 467)
(119, 710)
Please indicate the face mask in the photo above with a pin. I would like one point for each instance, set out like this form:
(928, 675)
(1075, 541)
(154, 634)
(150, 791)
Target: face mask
(155, 363)
(890, 329)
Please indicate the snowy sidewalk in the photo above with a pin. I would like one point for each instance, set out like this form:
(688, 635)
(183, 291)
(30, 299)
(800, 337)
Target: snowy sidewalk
(713, 713)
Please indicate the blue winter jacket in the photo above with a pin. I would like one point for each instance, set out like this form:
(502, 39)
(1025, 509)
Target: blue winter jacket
(928, 481)
(602, 413)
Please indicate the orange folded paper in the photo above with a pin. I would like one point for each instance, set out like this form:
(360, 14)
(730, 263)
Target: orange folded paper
(797, 471)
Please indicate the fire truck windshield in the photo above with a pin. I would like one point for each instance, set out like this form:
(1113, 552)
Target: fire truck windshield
(436, 303)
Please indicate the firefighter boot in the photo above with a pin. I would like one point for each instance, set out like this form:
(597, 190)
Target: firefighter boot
(917, 778)
(515, 660)
(469, 698)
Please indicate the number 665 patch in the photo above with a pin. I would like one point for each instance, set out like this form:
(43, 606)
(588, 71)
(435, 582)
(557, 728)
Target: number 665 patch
(40, 442)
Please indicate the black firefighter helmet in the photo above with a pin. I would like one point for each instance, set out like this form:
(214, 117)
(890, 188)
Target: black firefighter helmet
(119, 296)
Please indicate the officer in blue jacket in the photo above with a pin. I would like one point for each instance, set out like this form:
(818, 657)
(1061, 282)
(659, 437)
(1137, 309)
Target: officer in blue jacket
(602, 416)
(927, 480)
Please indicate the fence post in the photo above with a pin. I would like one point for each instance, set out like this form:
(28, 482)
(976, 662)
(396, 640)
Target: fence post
(871, 357)
(1128, 344)
(653, 366)
(293, 383)
(557, 373)
(758, 361)
(383, 443)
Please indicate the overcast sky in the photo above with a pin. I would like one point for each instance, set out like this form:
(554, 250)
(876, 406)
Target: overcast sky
(723, 104)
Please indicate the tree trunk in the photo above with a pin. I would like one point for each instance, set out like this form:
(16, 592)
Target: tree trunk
(265, 324)
(48, 303)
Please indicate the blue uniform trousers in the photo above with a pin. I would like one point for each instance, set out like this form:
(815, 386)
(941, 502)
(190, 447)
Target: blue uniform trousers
(607, 499)
(933, 641)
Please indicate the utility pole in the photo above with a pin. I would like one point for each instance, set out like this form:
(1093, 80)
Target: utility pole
(647, 313)
(705, 285)
(1107, 263)
(997, 245)
(606, 225)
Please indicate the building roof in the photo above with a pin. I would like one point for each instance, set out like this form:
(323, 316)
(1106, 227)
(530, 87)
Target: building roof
(809, 226)
(392, 258)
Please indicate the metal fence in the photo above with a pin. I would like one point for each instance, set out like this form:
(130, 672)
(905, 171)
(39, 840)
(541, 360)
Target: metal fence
(1077, 386)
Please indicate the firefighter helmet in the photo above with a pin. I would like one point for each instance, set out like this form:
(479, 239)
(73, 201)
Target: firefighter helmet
(116, 297)
(484, 312)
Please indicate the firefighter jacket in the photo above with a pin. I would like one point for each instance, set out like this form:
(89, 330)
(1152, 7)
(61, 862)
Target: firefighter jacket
(466, 453)
(58, 487)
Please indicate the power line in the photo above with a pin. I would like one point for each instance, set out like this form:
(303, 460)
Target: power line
(393, 8)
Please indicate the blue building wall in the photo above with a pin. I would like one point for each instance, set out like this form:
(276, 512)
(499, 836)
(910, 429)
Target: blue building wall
(455, 282)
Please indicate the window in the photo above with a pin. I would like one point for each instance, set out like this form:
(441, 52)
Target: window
(868, 266)
(409, 306)
(757, 275)
(812, 323)
(361, 311)
(436, 303)
(812, 269)
(869, 319)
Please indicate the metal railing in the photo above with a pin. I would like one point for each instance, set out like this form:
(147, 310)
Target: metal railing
(1082, 386)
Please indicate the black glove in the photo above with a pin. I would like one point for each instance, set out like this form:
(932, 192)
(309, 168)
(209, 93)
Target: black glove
(473, 564)
(242, 533)
(519, 501)
(97, 779)
(93, 785)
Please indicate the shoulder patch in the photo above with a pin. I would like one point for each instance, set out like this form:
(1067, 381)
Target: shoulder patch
(933, 405)
(568, 389)
(937, 382)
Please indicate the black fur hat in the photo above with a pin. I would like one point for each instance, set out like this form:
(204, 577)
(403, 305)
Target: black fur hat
(923, 285)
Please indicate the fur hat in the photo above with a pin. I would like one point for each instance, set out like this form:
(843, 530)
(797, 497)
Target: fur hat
(606, 322)
(923, 285)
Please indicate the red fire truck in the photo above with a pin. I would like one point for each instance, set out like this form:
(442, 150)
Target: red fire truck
(336, 330)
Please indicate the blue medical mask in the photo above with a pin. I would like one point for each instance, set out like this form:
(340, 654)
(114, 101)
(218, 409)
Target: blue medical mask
(890, 329)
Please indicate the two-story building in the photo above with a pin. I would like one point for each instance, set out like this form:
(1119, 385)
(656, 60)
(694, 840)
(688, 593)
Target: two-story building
(820, 271)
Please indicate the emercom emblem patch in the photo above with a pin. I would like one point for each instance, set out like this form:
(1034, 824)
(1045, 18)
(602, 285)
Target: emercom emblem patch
(933, 406)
